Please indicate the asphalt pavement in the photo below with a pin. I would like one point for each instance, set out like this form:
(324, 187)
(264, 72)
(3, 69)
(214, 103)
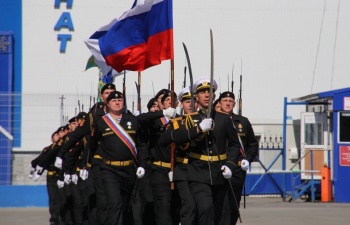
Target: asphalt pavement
(258, 211)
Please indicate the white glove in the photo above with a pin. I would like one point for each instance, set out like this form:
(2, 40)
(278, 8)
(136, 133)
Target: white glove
(67, 178)
(84, 174)
(140, 172)
(226, 172)
(58, 163)
(31, 173)
(169, 112)
(206, 124)
(137, 113)
(36, 176)
(60, 184)
(75, 179)
(244, 164)
(39, 169)
(171, 176)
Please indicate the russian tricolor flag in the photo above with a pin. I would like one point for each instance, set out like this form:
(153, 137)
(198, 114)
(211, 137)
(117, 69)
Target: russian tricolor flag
(142, 37)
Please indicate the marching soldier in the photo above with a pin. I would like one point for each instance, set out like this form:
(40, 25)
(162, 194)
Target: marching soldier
(211, 161)
(124, 156)
(142, 199)
(51, 180)
(86, 127)
(246, 155)
(154, 123)
(188, 206)
(159, 97)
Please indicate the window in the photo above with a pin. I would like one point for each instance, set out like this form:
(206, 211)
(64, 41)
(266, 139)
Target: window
(344, 127)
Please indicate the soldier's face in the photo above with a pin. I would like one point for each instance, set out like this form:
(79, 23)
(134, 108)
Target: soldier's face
(61, 134)
(186, 105)
(105, 94)
(73, 126)
(116, 105)
(203, 98)
(159, 101)
(227, 104)
(167, 103)
(218, 107)
(55, 138)
(154, 107)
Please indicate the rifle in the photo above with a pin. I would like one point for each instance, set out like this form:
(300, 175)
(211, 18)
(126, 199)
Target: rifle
(79, 105)
(240, 113)
(153, 88)
(138, 98)
(240, 95)
(233, 65)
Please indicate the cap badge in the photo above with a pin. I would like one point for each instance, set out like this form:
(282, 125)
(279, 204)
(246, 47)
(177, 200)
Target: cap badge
(109, 87)
(116, 95)
(205, 83)
(228, 94)
(129, 125)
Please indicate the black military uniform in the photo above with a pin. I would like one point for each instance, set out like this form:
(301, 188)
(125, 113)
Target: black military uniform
(51, 184)
(69, 167)
(63, 194)
(142, 198)
(166, 201)
(249, 151)
(118, 170)
(86, 127)
(208, 186)
(188, 206)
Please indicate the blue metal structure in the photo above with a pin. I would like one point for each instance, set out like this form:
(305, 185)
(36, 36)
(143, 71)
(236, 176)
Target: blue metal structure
(6, 74)
(11, 22)
(11, 81)
(339, 109)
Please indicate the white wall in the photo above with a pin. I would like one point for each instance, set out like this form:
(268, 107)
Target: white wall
(277, 41)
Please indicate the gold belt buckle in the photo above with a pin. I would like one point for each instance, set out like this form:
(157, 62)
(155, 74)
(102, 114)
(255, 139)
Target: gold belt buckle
(121, 163)
(210, 159)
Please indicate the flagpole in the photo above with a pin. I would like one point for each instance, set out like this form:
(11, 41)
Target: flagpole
(124, 93)
(139, 91)
(172, 145)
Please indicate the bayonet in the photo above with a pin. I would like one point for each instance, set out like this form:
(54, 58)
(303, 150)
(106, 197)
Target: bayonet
(233, 65)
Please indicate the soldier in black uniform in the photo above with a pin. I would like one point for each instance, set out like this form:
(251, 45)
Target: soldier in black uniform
(86, 127)
(211, 155)
(159, 166)
(142, 198)
(124, 156)
(158, 97)
(51, 180)
(188, 206)
(69, 168)
(154, 123)
(246, 155)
